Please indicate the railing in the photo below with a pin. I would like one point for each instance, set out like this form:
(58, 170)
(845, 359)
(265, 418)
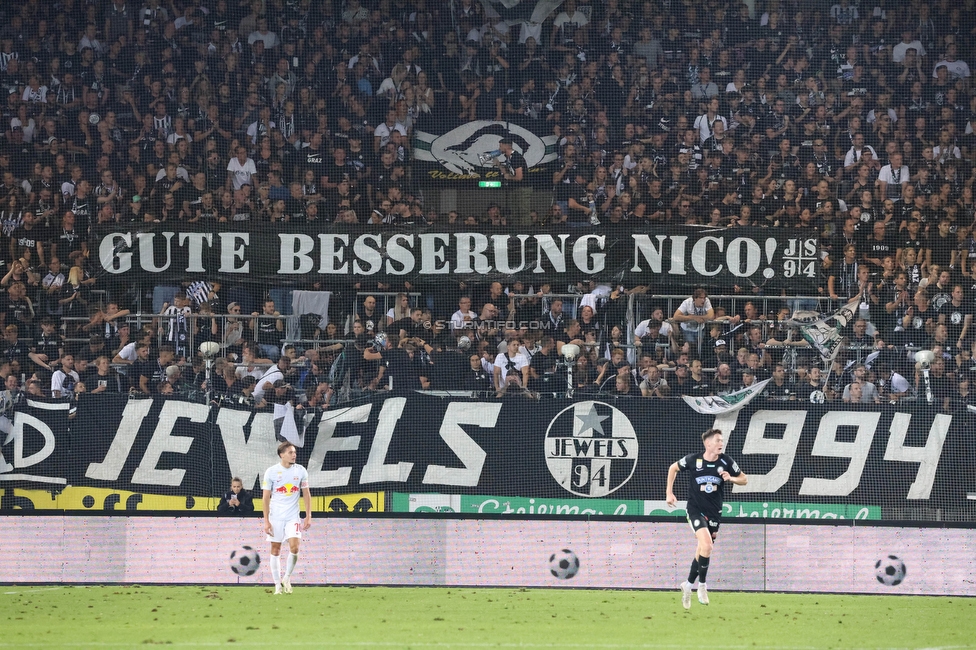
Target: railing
(639, 308)
(642, 306)
(388, 300)
(571, 302)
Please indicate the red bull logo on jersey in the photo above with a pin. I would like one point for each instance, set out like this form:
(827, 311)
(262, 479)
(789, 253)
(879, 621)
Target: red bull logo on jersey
(287, 488)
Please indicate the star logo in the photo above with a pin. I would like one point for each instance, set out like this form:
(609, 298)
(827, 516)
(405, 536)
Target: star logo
(589, 420)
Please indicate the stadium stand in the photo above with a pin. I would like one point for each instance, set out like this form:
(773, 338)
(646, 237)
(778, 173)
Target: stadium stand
(849, 125)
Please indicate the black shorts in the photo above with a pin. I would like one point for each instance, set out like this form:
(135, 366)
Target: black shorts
(697, 521)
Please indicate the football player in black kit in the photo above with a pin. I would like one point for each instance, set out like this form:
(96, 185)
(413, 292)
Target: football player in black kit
(708, 472)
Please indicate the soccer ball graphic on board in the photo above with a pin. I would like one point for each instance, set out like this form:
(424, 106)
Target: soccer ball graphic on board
(564, 564)
(890, 570)
(245, 561)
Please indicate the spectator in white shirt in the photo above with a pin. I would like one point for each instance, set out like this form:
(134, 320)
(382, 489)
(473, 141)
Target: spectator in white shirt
(704, 122)
(857, 150)
(891, 178)
(946, 148)
(656, 315)
(511, 366)
(381, 135)
(270, 376)
(957, 69)
(241, 169)
(693, 313)
(463, 318)
(64, 379)
(907, 43)
(262, 33)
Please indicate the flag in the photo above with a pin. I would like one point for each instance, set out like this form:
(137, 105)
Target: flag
(294, 423)
(715, 404)
(458, 153)
(824, 334)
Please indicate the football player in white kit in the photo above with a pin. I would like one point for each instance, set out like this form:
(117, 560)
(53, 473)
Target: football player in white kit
(282, 521)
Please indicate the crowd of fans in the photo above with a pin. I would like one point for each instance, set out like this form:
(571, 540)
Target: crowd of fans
(852, 121)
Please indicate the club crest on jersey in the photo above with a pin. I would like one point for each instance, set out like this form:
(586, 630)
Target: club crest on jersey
(698, 464)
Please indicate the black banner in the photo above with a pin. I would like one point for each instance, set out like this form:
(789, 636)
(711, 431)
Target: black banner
(676, 256)
(910, 463)
(36, 445)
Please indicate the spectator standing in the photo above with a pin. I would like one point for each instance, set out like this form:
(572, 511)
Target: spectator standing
(268, 327)
(514, 173)
(692, 314)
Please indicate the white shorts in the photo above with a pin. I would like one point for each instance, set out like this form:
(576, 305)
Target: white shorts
(285, 529)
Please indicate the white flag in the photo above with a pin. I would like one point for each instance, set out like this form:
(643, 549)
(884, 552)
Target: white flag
(715, 404)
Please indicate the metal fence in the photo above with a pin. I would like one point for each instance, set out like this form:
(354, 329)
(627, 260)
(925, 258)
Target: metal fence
(206, 327)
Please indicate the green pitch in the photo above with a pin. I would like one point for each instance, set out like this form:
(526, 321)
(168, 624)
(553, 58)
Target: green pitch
(317, 617)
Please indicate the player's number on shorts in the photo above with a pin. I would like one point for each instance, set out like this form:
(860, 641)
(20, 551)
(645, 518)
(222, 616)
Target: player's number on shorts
(583, 478)
(298, 527)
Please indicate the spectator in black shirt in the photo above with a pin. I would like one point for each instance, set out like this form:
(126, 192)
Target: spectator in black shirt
(18, 308)
(407, 368)
(236, 501)
(147, 374)
(941, 384)
(681, 382)
(14, 351)
(410, 327)
(48, 347)
(724, 383)
(942, 245)
(268, 327)
(29, 237)
(542, 368)
(957, 316)
(103, 378)
(67, 242)
(779, 388)
(878, 246)
(515, 172)
(476, 378)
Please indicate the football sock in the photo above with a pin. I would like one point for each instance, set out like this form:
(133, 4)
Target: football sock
(290, 563)
(702, 568)
(693, 575)
(276, 569)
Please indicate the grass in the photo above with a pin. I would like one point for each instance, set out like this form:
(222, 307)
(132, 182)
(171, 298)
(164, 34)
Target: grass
(367, 617)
